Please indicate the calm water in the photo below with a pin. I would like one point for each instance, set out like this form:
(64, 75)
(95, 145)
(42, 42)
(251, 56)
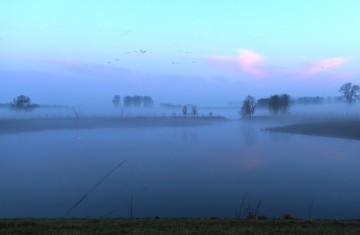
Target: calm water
(179, 172)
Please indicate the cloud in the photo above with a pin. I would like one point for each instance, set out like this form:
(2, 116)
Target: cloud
(247, 61)
(250, 62)
(326, 64)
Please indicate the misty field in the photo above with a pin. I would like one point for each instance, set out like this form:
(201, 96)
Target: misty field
(43, 124)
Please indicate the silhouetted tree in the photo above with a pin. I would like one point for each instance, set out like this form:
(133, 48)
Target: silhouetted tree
(147, 101)
(184, 110)
(279, 103)
(128, 101)
(284, 102)
(22, 102)
(76, 112)
(349, 92)
(194, 111)
(248, 107)
(274, 104)
(137, 100)
(116, 100)
(263, 103)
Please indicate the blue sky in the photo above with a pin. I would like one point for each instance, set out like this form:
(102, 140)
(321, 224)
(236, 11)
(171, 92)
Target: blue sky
(206, 52)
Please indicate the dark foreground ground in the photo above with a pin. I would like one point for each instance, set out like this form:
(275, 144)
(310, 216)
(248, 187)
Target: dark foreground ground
(175, 226)
(339, 128)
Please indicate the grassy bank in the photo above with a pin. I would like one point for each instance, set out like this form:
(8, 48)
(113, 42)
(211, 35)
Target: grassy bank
(340, 128)
(175, 226)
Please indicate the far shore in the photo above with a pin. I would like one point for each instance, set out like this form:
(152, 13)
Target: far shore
(8, 126)
(347, 128)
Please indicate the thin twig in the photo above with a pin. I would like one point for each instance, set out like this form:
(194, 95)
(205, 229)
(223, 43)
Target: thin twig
(94, 187)
(310, 209)
(131, 206)
(242, 203)
(257, 208)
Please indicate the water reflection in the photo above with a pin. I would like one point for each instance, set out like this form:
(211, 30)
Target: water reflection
(178, 172)
(249, 133)
(279, 137)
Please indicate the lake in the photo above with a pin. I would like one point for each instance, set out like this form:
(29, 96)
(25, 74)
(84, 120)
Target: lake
(223, 170)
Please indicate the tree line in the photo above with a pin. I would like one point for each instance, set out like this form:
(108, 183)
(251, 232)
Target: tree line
(275, 103)
(133, 101)
(281, 103)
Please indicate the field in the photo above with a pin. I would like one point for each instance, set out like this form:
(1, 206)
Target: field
(175, 226)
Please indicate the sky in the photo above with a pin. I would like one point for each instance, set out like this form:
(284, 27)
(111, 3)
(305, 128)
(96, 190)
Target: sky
(205, 52)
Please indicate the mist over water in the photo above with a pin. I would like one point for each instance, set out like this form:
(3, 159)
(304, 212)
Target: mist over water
(179, 171)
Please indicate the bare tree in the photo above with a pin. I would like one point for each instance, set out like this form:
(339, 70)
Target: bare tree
(349, 92)
(194, 111)
(184, 110)
(76, 112)
(248, 107)
(116, 100)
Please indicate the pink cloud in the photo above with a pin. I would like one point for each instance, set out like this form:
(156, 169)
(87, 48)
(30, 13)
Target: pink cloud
(246, 61)
(250, 62)
(326, 64)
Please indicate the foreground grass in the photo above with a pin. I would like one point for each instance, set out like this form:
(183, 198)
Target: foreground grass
(175, 226)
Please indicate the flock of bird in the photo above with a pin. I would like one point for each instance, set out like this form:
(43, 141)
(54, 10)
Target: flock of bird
(142, 52)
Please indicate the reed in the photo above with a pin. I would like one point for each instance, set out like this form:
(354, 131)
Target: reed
(94, 187)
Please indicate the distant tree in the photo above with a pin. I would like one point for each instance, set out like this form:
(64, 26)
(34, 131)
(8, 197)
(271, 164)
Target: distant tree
(184, 110)
(248, 107)
(349, 92)
(147, 101)
(116, 100)
(311, 100)
(76, 112)
(128, 101)
(279, 103)
(263, 103)
(274, 104)
(22, 102)
(284, 102)
(137, 100)
(194, 111)
(170, 106)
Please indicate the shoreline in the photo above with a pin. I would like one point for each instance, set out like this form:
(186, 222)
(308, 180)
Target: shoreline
(10, 126)
(348, 128)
